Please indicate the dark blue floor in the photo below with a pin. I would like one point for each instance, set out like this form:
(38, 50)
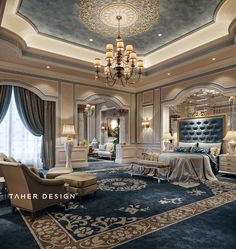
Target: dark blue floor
(14, 234)
(215, 229)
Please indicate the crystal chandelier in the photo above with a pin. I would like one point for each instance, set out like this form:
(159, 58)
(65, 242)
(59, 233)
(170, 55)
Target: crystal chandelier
(122, 64)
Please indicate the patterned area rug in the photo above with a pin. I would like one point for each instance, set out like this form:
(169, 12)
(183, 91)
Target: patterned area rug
(125, 208)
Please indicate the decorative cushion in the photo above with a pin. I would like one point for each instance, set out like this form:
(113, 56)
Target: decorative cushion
(37, 172)
(155, 156)
(200, 150)
(109, 147)
(11, 159)
(2, 157)
(210, 145)
(182, 144)
(102, 147)
(182, 149)
(147, 155)
(215, 151)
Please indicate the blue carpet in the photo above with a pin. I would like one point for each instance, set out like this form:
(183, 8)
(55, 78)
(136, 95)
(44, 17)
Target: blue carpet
(122, 200)
(13, 231)
(215, 229)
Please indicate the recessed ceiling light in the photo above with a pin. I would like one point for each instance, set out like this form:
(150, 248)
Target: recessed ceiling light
(48, 67)
(159, 34)
(91, 40)
(213, 59)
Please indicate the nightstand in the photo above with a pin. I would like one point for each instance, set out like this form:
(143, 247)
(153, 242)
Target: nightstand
(227, 164)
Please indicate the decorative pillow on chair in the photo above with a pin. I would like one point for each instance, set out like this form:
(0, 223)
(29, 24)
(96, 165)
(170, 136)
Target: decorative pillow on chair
(109, 147)
(102, 147)
(37, 172)
(182, 149)
(3, 157)
(200, 150)
(11, 159)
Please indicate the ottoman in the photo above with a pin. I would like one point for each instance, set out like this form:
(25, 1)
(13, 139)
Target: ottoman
(53, 173)
(80, 183)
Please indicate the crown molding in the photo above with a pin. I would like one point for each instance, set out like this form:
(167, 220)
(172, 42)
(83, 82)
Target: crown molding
(224, 16)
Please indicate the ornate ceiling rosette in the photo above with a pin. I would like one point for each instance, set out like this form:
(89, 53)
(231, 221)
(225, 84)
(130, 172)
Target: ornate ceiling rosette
(100, 16)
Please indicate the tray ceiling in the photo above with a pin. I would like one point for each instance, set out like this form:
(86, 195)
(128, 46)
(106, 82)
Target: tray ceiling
(68, 21)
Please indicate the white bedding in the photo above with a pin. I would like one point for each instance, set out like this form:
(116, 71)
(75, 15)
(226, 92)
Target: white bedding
(188, 169)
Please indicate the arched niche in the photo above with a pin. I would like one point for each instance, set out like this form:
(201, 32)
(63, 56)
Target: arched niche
(104, 102)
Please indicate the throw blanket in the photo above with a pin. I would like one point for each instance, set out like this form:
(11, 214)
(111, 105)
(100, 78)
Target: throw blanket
(188, 170)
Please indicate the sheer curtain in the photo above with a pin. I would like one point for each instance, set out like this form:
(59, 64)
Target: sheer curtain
(17, 141)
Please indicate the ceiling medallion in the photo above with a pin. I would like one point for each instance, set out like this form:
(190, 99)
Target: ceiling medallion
(100, 16)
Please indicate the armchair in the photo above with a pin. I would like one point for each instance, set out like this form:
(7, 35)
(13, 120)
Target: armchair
(22, 181)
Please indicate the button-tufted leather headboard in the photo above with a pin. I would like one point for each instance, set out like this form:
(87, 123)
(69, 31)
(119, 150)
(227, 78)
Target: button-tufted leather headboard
(206, 129)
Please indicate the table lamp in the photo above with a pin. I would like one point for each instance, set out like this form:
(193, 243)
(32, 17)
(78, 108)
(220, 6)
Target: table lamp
(166, 139)
(231, 138)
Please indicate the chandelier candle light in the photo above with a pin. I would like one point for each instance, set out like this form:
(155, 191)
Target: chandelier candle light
(121, 64)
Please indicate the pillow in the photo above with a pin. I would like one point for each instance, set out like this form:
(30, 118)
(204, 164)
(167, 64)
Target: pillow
(200, 150)
(182, 144)
(182, 149)
(102, 147)
(109, 147)
(210, 145)
(147, 155)
(154, 156)
(11, 159)
(215, 151)
(2, 157)
(37, 172)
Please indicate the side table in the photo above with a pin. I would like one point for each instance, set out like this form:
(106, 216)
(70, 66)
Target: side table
(3, 188)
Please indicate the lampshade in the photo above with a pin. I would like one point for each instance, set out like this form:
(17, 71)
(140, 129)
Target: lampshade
(167, 136)
(230, 136)
(68, 130)
(146, 123)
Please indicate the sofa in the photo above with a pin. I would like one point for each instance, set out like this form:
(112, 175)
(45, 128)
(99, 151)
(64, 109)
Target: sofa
(105, 150)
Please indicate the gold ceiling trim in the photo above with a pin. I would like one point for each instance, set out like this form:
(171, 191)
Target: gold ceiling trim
(100, 16)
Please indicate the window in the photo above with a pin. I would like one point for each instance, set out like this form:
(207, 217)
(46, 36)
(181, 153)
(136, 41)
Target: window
(17, 141)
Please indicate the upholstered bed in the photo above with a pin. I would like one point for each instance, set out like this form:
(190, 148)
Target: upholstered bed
(200, 142)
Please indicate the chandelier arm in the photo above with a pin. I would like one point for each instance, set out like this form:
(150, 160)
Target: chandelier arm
(139, 77)
(122, 81)
(111, 83)
(111, 75)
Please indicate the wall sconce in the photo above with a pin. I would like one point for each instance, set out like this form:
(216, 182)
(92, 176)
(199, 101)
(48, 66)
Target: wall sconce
(103, 127)
(146, 123)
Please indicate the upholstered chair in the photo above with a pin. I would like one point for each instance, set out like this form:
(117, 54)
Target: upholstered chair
(21, 180)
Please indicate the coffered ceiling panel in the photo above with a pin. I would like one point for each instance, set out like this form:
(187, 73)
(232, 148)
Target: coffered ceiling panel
(148, 25)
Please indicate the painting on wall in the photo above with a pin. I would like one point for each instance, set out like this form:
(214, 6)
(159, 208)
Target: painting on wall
(113, 127)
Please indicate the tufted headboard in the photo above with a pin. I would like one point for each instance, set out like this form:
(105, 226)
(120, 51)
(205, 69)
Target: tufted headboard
(210, 129)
